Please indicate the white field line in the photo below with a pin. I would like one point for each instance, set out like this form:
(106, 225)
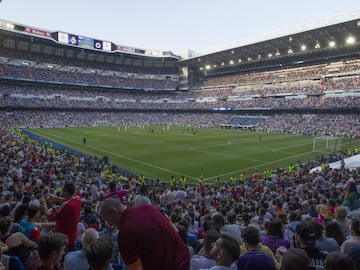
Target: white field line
(124, 157)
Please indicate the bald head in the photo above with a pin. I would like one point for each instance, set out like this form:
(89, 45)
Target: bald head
(88, 236)
(111, 210)
(111, 203)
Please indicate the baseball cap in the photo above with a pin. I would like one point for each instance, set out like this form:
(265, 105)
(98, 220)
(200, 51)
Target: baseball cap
(306, 232)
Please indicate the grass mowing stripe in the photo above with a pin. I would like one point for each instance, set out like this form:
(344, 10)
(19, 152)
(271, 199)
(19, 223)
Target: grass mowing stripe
(123, 156)
(156, 153)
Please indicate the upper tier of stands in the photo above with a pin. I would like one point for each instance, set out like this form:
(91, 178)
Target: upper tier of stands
(32, 81)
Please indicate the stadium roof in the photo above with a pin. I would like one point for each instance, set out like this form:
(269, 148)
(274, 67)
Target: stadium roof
(327, 39)
(32, 40)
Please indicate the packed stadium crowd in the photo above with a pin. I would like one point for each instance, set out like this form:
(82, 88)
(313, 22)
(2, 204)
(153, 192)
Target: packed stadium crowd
(284, 74)
(314, 86)
(63, 202)
(340, 125)
(61, 209)
(50, 97)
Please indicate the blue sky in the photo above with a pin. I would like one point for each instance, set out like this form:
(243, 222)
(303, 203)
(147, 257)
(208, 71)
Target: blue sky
(200, 25)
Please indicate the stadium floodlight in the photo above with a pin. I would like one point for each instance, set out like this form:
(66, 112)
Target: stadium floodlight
(240, 60)
(303, 47)
(290, 51)
(222, 63)
(277, 53)
(270, 55)
(259, 56)
(231, 62)
(207, 67)
(249, 58)
(317, 45)
(350, 40)
(214, 66)
(332, 44)
(201, 68)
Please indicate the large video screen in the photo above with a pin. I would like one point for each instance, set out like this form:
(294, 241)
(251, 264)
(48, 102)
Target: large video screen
(84, 42)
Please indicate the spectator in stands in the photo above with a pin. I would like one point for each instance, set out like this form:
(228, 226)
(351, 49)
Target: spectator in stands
(274, 237)
(118, 193)
(68, 215)
(294, 259)
(203, 258)
(305, 238)
(342, 220)
(111, 233)
(51, 250)
(332, 229)
(354, 240)
(18, 244)
(323, 243)
(142, 197)
(30, 229)
(251, 237)
(98, 254)
(232, 230)
(226, 252)
(336, 260)
(140, 228)
(351, 195)
(77, 259)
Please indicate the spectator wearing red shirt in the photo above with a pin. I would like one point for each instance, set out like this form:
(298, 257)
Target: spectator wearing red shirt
(68, 215)
(117, 193)
(256, 176)
(146, 239)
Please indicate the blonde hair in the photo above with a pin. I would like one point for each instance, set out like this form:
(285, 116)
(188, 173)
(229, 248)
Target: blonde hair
(340, 212)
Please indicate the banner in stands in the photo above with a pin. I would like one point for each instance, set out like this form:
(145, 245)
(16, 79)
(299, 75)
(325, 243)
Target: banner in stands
(350, 163)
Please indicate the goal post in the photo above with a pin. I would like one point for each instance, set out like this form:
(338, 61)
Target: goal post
(327, 144)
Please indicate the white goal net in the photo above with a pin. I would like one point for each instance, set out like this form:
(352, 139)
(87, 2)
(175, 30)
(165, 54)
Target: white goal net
(327, 144)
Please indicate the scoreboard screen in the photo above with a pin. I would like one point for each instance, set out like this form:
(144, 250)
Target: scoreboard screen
(84, 42)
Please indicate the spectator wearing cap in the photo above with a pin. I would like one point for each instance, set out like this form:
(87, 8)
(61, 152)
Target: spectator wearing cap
(354, 240)
(305, 238)
(251, 237)
(232, 230)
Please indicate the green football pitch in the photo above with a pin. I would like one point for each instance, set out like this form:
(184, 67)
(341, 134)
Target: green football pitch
(160, 152)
